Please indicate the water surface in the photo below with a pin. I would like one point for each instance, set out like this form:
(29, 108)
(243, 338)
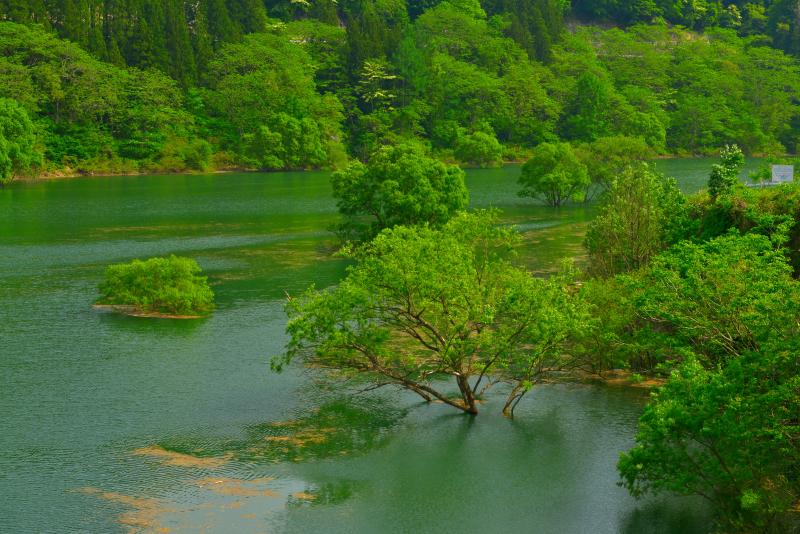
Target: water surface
(86, 394)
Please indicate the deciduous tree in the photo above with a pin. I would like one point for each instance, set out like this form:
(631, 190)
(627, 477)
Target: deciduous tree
(400, 185)
(554, 174)
(436, 312)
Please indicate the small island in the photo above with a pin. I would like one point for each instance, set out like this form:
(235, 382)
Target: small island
(171, 288)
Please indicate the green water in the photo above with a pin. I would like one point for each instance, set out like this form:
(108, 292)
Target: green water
(81, 389)
(692, 174)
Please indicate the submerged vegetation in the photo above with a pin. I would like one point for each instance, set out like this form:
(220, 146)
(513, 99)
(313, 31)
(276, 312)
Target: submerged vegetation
(400, 185)
(170, 286)
(699, 292)
(423, 305)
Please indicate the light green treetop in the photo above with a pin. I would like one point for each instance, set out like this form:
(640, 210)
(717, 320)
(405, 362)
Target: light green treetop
(725, 175)
(427, 309)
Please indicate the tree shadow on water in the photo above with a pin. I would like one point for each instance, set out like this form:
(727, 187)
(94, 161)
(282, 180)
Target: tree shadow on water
(340, 427)
(670, 516)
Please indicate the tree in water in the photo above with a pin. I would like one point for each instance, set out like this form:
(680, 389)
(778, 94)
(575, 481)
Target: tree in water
(399, 186)
(554, 174)
(426, 309)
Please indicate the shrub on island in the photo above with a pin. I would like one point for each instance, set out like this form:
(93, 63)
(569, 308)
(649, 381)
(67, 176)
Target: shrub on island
(170, 286)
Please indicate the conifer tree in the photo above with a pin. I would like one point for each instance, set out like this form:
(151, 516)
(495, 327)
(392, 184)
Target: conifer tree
(182, 66)
(249, 15)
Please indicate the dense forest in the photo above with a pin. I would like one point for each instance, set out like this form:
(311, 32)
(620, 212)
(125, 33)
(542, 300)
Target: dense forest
(143, 85)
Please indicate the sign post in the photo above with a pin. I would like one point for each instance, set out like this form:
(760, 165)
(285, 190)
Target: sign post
(782, 174)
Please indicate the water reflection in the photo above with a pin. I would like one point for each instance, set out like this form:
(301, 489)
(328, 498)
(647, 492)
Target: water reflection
(670, 515)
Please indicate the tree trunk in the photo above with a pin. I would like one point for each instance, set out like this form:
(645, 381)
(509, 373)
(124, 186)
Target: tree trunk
(513, 399)
(466, 404)
(466, 395)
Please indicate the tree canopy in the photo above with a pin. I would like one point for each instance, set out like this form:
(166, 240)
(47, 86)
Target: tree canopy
(554, 174)
(171, 285)
(145, 85)
(399, 185)
(728, 435)
(434, 311)
(17, 140)
(637, 220)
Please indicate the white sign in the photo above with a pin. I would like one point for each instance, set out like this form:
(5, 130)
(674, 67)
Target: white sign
(782, 173)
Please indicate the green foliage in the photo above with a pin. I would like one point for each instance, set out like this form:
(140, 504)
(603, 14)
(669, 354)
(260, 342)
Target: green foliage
(87, 110)
(723, 315)
(607, 157)
(17, 140)
(586, 115)
(170, 285)
(422, 305)
(725, 175)
(479, 149)
(554, 174)
(399, 186)
(332, 79)
(604, 346)
(729, 435)
(639, 216)
(719, 299)
(264, 88)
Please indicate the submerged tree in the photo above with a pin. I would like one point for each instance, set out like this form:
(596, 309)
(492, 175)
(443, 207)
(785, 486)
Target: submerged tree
(554, 174)
(172, 285)
(400, 185)
(607, 157)
(425, 309)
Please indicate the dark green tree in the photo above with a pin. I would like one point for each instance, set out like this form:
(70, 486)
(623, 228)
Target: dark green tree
(586, 114)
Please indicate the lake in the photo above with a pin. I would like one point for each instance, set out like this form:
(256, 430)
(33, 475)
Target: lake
(89, 398)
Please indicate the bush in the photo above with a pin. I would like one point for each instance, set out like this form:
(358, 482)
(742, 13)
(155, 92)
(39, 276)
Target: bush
(167, 285)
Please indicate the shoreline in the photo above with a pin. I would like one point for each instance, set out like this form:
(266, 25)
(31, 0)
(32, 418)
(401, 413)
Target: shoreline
(61, 175)
(135, 311)
(622, 378)
(69, 174)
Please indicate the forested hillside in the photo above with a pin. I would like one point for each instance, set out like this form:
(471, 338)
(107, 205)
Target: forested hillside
(152, 85)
